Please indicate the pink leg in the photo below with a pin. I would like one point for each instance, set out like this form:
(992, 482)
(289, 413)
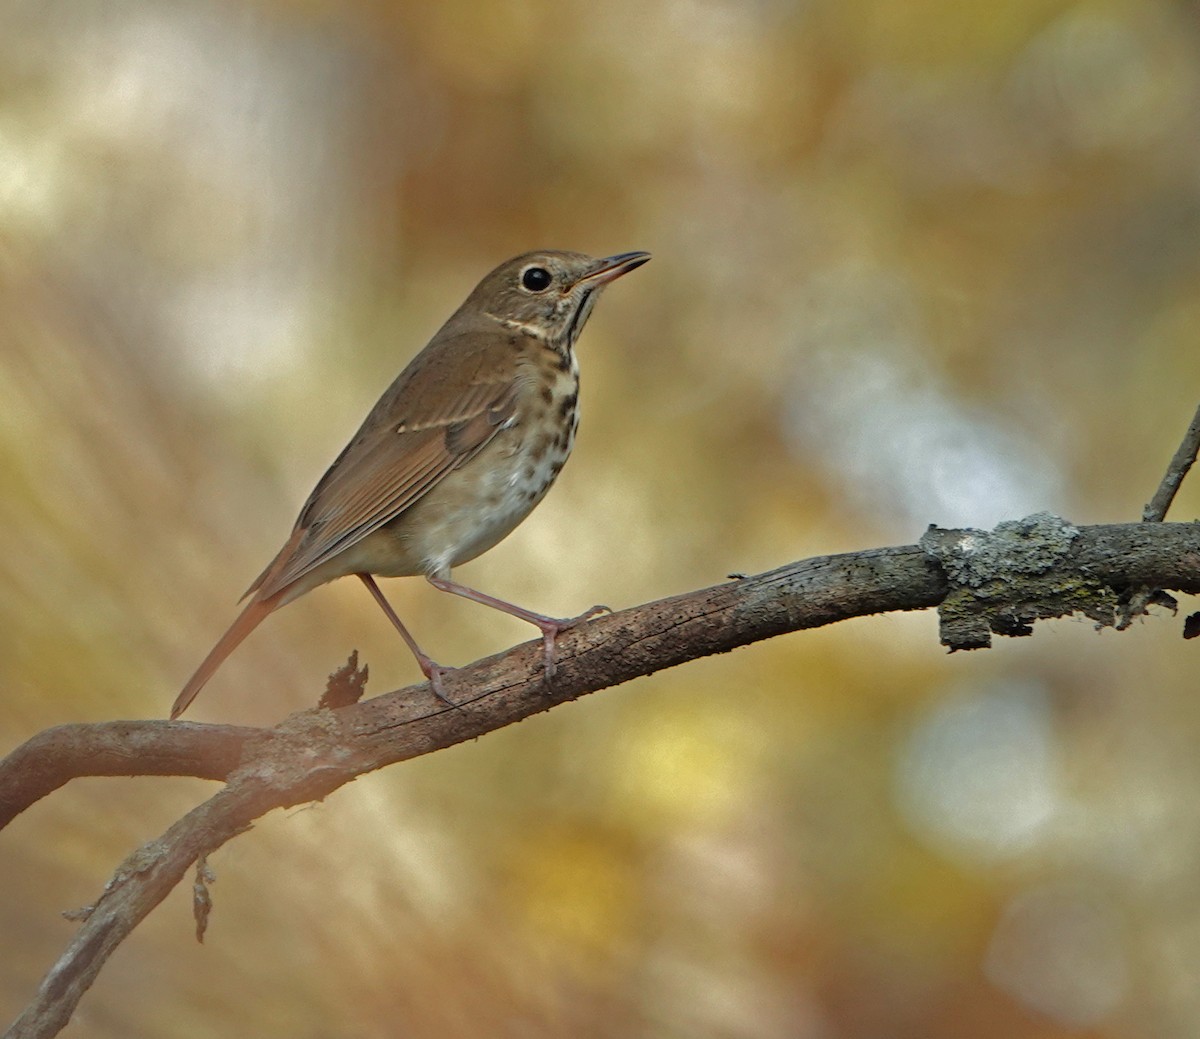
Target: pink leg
(550, 627)
(432, 670)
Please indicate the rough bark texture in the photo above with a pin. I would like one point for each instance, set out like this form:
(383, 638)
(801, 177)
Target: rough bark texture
(984, 583)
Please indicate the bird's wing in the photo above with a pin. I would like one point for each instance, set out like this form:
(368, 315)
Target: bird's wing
(424, 427)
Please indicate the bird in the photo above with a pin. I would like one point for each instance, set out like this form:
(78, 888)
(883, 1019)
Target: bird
(455, 454)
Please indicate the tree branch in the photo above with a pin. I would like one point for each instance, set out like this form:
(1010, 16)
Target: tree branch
(983, 583)
(1156, 510)
(122, 748)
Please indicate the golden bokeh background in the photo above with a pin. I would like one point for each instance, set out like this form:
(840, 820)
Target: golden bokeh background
(915, 261)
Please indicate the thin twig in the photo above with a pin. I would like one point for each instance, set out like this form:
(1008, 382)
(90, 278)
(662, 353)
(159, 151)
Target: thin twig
(1156, 510)
(1141, 598)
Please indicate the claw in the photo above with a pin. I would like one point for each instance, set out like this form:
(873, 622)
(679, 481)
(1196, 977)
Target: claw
(434, 673)
(587, 615)
(549, 645)
(552, 627)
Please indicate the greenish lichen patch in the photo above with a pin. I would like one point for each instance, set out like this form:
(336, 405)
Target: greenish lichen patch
(1004, 580)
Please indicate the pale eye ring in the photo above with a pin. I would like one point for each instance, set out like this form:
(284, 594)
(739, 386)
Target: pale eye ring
(536, 279)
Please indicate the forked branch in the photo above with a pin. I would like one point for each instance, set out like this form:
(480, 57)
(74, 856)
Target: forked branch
(1043, 566)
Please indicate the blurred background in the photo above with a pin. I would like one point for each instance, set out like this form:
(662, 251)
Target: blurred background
(915, 261)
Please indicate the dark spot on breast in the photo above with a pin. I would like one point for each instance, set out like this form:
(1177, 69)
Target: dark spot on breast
(547, 393)
(567, 404)
(561, 358)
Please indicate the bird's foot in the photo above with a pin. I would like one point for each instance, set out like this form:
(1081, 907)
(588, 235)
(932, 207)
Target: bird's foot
(434, 672)
(551, 628)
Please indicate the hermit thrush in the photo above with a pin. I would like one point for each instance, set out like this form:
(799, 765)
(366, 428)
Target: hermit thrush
(455, 454)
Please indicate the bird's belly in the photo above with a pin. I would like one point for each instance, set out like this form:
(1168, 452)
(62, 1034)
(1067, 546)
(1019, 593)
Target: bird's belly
(478, 505)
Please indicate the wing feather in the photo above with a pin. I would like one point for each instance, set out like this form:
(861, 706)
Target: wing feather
(416, 435)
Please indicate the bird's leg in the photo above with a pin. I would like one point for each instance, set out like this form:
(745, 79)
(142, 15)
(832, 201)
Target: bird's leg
(551, 627)
(429, 667)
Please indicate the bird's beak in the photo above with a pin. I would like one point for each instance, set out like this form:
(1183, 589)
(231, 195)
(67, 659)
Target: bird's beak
(611, 268)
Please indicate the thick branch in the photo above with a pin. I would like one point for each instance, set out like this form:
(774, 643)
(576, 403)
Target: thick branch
(313, 753)
(144, 748)
(501, 689)
(607, 651)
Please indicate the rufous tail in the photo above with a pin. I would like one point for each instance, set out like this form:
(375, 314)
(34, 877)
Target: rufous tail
(247, 621)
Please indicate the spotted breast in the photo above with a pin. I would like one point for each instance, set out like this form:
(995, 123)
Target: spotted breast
(518, 467)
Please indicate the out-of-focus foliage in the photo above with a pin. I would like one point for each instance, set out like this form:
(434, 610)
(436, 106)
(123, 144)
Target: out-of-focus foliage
(915, 261)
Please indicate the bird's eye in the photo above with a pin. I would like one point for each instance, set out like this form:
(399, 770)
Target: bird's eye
(536, 279)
